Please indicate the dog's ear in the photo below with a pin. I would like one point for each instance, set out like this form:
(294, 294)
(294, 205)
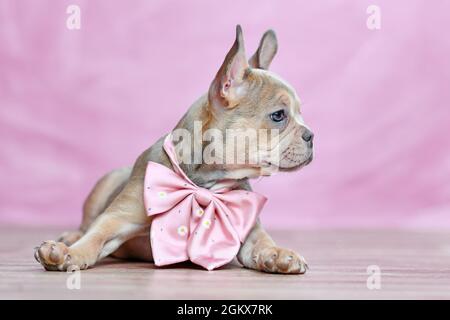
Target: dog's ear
(231, 74)
(266, 51)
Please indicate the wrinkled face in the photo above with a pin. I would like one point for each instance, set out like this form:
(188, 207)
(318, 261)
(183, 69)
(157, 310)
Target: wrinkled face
(277, 106)
(250, 98)
(269, 103)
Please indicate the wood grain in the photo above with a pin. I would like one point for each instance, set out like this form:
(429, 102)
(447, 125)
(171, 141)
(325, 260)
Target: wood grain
(414, 265)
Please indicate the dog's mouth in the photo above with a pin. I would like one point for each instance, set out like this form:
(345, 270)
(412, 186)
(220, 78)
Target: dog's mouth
(272, 167)
(309, 160)
(298, 166)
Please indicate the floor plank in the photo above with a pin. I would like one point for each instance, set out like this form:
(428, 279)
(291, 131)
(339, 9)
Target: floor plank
(413, 265)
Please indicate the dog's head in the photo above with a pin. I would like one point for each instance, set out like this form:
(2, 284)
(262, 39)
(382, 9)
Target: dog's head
(245, 95)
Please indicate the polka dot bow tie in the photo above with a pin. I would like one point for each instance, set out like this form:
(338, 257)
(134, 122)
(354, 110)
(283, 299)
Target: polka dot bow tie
(194, 223)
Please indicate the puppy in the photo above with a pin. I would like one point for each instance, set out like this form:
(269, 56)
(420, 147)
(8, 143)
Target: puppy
(242, 95)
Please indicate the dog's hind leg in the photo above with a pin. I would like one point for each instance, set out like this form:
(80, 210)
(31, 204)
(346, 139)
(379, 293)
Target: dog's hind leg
(103, 193)
(125, 218)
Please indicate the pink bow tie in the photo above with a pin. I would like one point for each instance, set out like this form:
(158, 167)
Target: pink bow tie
(194, 223)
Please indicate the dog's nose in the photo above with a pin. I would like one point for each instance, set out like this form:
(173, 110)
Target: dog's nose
(308, 136)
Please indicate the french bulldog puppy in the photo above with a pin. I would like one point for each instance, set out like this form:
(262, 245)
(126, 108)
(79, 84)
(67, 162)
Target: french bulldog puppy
(242, 95)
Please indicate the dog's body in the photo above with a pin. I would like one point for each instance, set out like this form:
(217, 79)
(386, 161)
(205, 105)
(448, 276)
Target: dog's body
(243, 95)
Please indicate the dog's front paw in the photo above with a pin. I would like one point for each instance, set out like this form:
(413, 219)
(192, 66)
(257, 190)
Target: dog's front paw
(54, 256)
(278, 260)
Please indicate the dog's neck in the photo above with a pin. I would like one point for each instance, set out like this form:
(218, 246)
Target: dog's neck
(209, 176)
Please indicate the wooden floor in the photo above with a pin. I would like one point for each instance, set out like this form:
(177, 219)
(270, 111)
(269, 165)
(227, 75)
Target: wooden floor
(413, 265)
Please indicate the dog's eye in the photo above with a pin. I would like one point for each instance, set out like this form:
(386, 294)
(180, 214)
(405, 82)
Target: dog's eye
(278, 116)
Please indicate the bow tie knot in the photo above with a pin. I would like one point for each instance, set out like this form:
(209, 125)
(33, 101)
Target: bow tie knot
(203, 196)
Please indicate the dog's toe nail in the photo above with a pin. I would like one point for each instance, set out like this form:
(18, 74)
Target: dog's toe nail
(302, 268)
(36, 255)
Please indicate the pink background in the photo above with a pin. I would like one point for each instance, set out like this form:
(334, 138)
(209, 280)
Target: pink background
(75, 104)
